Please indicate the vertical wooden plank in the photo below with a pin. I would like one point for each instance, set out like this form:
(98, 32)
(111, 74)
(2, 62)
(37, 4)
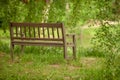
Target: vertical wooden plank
(43, 32)
(53, 32)
(25, 31)
(34, 32)
(74, 47)
(11, 45)
(48, 32)
(12, 51)
(58, 33)
(11, 31)
(65, 52)
(64, 41)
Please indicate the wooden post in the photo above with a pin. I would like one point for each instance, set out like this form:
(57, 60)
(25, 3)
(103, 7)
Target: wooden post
(12, 52)
(22, 47)
(74, 47)
(64, 41)
(22, 36)
(11, 45)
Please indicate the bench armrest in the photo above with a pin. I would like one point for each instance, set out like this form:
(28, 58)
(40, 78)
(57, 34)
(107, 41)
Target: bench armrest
(73, 38)
(70, 35)
(73, 43)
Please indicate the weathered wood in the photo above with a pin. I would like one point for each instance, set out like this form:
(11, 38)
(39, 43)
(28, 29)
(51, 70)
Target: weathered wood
(38, 43)
(39, 32)
(50, 25)
(45, 39)
(34, 32)
(73, 45)
(64, 41)
(11, 51)
(11, 44)
(25, 31)
(43, 32)
(30, 34)
(74, 48)
(53, 32)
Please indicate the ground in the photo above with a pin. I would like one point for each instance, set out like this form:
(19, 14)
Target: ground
(31, 68)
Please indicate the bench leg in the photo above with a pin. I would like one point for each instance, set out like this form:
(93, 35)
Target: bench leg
(74, 47)
(65, 52)
(22, 47)
(11, 51)
(74, 52)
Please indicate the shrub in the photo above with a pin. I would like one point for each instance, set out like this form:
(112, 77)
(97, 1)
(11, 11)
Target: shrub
(107, 39)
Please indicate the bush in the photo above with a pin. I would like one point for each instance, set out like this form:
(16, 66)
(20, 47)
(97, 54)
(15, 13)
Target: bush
(107, 39)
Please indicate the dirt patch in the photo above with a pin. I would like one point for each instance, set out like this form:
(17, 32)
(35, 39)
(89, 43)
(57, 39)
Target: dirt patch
(88, 62)
(55, 65)
(72, 68)
(67, 78)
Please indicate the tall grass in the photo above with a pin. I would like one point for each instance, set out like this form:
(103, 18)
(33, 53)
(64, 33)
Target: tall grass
(47, 63)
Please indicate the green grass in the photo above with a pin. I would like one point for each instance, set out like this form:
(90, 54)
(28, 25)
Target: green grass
(47, 63)
(47, 67)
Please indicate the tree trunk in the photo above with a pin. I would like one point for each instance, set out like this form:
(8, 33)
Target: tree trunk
(46, 10)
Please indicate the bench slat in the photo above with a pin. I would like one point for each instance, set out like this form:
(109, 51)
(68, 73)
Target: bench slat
(48, 32)
(38, 43)
(53, 33)
(25, 31)
(37, 24)
(51, 39)
(39, 32)
(43, 32)
(34, 32)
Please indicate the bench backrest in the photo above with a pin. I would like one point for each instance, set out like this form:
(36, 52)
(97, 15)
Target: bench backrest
(37, 31)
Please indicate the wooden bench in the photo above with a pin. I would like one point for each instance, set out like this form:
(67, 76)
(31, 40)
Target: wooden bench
(41, 34)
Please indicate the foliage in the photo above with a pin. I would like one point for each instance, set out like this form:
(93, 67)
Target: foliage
(17, 11)
(35, 11)
(71, 12)
(57, 11)
(14, 11)
(107, 39)
(106, 10)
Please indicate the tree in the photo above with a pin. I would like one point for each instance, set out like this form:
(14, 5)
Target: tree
(70, 12)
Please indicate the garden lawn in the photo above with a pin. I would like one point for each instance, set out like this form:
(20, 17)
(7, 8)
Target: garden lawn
(32, 66)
